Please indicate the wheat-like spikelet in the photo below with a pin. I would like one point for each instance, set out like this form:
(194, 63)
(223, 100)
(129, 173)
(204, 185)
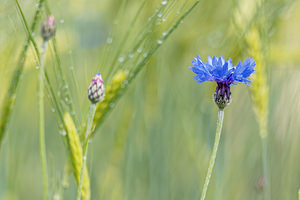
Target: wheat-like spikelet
(111, 93)
(76, 156)
(260, 89)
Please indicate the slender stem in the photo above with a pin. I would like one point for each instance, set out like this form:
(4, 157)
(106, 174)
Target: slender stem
(42, 119)
(91, 115)
(265, 168)
(214, 153)
(299, 194)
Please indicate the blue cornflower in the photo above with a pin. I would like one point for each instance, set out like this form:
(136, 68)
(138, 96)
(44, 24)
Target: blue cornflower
(222, 72)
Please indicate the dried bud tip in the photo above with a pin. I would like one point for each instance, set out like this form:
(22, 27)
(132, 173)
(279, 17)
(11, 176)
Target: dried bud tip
(96, 89)
(48, 28)
(222, 95)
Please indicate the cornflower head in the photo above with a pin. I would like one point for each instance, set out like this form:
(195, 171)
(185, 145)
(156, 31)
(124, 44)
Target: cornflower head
(218, 70)
(48, 28)
(96, 89)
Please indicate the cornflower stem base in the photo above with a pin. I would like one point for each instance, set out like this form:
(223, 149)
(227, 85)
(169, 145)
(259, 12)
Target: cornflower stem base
(214, 153)
(91, 115)
(42, 119)
(267, 187)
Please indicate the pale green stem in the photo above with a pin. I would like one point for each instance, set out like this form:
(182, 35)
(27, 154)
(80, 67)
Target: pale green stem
(91, 115)
(299, 194)
(214, 153)
(267, 186)
(42, 120)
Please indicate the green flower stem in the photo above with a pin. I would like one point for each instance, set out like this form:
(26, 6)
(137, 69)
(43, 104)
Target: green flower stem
(214, 153)
(91, 115)
(42, 120)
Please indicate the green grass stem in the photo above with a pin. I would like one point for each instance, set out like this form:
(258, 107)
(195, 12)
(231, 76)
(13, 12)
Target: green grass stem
(214, 153)
(144, 61)
(91, 115)
(42, 119)
(62, 78)
(267, 186)
(10, 96)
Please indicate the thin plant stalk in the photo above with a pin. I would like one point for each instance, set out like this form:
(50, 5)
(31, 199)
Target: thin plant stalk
(42, 120)
(9, 100)
(91, 115)
(214, 153)
(267, 187)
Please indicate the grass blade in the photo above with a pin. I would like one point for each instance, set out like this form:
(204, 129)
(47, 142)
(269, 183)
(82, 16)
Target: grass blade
(105, 107)
(10, 97)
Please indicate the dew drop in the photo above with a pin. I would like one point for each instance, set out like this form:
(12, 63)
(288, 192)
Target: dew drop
(159, 41)
(139, 50)
(37, 67)
(34, 60)
(62, 21)
(52, 110)
(121, 59)
(164, 33)
(159, 15)
(164, 19)
(56, 197)
(37, 5)
(164, 2)
(145, 55)
(109, 40)
(124, 83)
(130, 55)
(63, 133)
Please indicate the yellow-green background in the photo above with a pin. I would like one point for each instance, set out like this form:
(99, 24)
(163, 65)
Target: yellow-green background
(156, 142)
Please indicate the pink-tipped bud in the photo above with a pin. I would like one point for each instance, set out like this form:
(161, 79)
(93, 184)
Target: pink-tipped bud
(96, 89)
(48, 29)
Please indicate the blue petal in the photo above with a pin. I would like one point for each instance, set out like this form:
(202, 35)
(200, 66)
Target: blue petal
(214, 61)
(219, 70)
(209, 60)
(196, 70)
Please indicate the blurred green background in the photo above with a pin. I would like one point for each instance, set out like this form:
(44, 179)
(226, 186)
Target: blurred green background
(156, 142)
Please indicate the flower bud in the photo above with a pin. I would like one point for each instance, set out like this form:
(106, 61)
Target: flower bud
(222, 96)
(96, 89)
(48, 29)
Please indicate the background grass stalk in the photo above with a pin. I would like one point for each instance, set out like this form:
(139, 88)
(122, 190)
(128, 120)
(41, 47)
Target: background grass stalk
(10, 97)
(91, 115)
(214, 153)
(267, 186)
(42, 120)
